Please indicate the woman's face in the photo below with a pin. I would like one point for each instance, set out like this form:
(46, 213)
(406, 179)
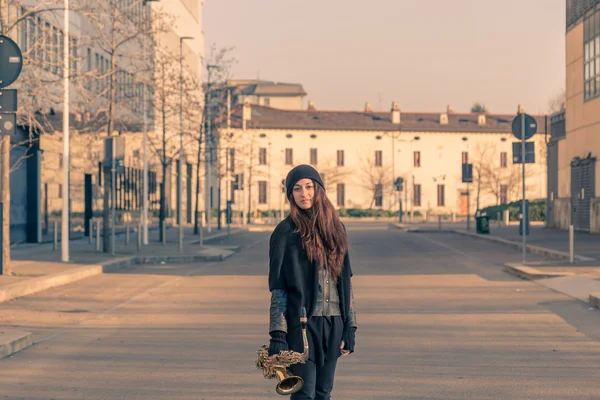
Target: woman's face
(304, 192)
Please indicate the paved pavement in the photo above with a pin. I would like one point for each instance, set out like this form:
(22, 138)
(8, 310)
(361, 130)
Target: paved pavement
(438, 319)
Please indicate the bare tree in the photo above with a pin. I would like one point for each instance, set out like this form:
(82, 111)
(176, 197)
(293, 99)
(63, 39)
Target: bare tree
(332, 174)
(556, 103)
(218, 68)
(30, 25)
(372, 178)
(483, 156)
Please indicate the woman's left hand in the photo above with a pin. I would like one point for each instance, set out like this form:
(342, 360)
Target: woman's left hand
(344, 352)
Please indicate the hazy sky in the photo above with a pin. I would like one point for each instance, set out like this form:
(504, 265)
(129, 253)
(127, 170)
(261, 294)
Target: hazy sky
(425, 54)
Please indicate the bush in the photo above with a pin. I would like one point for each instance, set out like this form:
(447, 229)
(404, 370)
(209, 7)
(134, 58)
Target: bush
(537, 210)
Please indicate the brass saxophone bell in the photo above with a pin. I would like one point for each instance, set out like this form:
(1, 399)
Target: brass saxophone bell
(288, 384)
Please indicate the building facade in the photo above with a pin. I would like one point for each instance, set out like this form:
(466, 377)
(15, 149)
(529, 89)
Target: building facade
(360, 155)
(133, 72)
(574, 174)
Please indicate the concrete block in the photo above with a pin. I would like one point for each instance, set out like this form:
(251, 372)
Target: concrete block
(13, 341)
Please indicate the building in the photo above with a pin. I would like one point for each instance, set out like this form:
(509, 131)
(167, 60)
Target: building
(361, 153)
(147, 42)
(573, 173)
(285, 96)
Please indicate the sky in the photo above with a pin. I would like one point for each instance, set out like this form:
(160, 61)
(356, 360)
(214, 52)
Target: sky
(424, 54)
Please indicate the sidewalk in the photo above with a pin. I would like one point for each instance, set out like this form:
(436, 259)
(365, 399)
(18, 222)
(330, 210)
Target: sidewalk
(551, 243)
(37, 267)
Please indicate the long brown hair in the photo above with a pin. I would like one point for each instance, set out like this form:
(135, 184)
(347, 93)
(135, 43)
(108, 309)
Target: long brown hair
(323, 235)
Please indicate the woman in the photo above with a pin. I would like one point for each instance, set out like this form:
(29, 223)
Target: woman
(309, 267)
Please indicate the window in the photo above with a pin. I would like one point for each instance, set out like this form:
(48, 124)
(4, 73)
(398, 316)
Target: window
(417, 195)
(341, 194)
(267, 101)
(591, 55)
(262, 192)
(417, 158)
(378, 195)
(441, 201)
(262, 156)
(503, 159)
(232, 192)
(340, 158)
(136, 154)
(232, 160)
(60, 191)
(313, 156)
(289, 156)
(378, 158)
(503, 194)
(465, 157)
(60, 161)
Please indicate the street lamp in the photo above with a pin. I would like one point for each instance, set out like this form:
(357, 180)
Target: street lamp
(180, 172)
(208, 153)
(145, 151)
(66, 159)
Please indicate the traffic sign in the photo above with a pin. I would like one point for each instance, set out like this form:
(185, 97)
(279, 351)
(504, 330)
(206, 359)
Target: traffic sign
(530, 126)
(11, 61)
(8, 124)
(8, 101)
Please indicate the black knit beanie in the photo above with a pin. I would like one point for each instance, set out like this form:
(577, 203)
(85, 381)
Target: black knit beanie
(301, 172)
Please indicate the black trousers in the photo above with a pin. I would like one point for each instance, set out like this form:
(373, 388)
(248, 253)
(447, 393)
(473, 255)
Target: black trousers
(324, 338)
(318, 381)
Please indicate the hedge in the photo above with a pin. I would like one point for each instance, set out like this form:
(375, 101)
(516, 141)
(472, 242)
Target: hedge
(537, 210)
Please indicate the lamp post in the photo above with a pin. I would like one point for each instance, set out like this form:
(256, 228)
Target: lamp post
(208, 153)
(145, 151)
(66, 159)
(180, 172)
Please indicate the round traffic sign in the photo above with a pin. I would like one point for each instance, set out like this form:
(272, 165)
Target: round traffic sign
(11, 61)
(530, 126)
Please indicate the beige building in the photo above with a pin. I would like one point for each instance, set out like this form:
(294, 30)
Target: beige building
(285, 96)
(153, 31)
(573, 173)
(361, 153)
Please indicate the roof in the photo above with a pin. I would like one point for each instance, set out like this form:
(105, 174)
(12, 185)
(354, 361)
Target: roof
(271, 118)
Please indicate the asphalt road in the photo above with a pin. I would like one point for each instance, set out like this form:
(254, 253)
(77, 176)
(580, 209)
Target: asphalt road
(438, 319)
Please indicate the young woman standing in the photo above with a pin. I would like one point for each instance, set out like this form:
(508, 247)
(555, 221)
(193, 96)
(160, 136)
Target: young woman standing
(309, 267)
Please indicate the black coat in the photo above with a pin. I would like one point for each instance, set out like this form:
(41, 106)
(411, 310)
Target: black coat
(290, 270)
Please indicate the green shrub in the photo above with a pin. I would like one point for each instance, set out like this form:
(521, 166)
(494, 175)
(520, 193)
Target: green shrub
(537, 210)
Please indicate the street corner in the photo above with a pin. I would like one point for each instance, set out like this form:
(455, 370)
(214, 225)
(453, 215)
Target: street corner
(594, 299)
(531, 273)
(12, 341)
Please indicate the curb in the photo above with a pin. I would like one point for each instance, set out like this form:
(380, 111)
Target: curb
(13, 341)
(39, 284)
(530, 273)
(542, 251)
(594, 300)
(406, 228)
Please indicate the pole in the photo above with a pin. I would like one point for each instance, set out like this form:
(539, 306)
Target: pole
(66, 162)
(523, 217)
(56, 236)
(139, 237)
(179, 177)
(97, 235)
(571, 244)
(127, 235)
(91, 231)
(394, 173)
(113, 192)
(201, 230)
(208, 157)
(144, 234)
(468, 207)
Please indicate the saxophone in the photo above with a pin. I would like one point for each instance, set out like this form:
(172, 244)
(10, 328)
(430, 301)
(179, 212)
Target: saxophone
(288, 383)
